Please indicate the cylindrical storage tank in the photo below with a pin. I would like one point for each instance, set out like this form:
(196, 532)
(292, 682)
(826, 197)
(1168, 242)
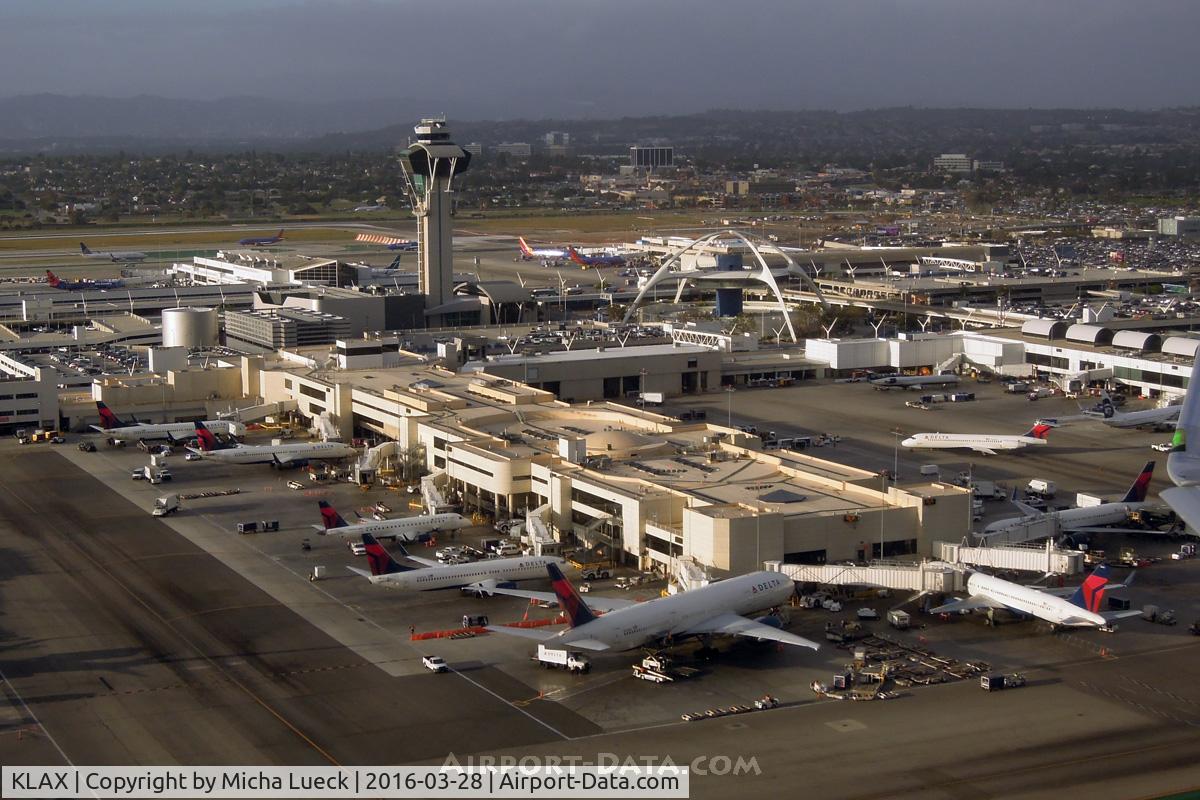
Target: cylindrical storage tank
(189, 327)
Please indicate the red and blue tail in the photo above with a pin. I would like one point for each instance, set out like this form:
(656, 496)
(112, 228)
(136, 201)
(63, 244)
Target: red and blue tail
(1137, 492)
(205, 438)
(379, 559)
(1090, 593)
(330, 516)
(568, 599)
(1040, 431)
(107, 418)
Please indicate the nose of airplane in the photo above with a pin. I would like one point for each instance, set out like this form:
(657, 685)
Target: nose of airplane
(909, 442)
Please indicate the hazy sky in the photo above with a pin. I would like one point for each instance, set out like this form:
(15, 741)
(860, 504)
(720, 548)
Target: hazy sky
(510, 58)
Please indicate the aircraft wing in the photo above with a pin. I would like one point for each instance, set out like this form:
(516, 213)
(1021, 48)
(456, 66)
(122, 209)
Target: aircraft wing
(97, 428)
(1133, 612)
(358, 571)
(737, 625)
(987, 451)
(538, 634)
(968, 604)
(602, 604)
(1184, 501)
(1028, 511)
(425, 562)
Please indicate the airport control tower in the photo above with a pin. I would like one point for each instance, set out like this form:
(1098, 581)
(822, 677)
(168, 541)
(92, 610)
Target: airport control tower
(429, 166)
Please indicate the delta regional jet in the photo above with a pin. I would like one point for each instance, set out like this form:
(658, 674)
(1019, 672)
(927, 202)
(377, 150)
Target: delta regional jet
(407, 529)
(980, 443)
(485, 577)
(292, 454)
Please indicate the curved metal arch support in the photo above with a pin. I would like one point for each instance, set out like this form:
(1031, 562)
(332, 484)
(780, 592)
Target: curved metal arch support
(764, 276)
(662, 272)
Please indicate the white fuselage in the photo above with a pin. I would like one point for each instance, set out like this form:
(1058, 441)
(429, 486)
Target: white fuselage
(1149, 416)
(1070, 519)
(405, 529)
(914, 381)
(973, 441)
(282, 453)
(675, 615)
(1027, 600)
(172, 430)
(452, 575)
(117, 256)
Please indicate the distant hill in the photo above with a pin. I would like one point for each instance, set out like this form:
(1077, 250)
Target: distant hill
(147, 124)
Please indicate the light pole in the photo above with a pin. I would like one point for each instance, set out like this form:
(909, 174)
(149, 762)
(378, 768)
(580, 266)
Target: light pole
(729, 406)
(896, 433)
(642, 388)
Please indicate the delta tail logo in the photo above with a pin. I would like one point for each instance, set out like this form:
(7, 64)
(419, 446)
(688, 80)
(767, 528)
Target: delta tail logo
(330, 516)
(1090, 593)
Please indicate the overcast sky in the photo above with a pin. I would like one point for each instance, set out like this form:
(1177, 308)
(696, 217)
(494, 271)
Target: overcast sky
(514, 58)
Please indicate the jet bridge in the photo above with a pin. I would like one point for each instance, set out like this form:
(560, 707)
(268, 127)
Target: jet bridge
(927, 576)
(1049, 560)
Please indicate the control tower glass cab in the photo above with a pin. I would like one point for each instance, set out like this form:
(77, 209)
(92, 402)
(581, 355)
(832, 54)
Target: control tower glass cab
(429, 165)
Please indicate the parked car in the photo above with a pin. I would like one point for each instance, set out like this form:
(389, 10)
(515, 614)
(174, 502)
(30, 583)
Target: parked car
(357, 548)
(295, 485)
(1163, 447)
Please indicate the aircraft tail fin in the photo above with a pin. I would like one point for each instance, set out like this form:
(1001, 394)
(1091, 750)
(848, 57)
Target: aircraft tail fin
(379, 559)
(574, 254)
(1090, 593)
(1040, 431)
(525, 248)
(330, 517)
(107, 418)
(1137, 492)
(279, 235)
(568, 599)
(205, 438)
(83, 248)
(52, 279)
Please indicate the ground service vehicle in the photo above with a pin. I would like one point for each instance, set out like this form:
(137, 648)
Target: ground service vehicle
(166, 505)
(562, 659)
(900, 620)
(1041, 487)
(435, 664)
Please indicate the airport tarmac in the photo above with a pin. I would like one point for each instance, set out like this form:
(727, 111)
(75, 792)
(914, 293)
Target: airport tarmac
(117, 625)
(1082, 456)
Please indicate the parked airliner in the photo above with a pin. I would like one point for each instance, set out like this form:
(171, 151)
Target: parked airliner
(979, 442)
(716, 609)
(118, 428)
(82, 283)
(914, 381)
(1083, 520)
(289, 454)
(406, 529)
(485, 576)
(595, 261)
(1081, 610)
(531, 253)
(1153, 417)
(1183, 465)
